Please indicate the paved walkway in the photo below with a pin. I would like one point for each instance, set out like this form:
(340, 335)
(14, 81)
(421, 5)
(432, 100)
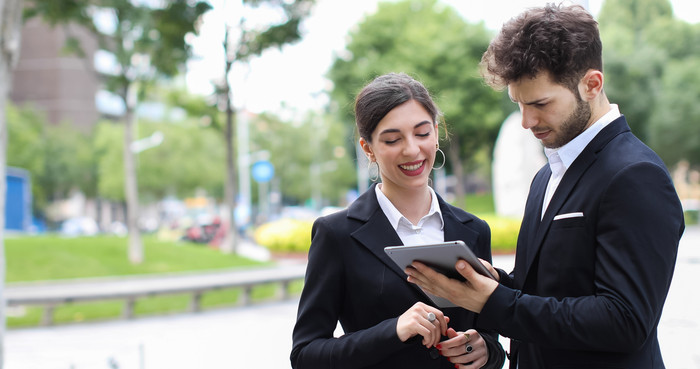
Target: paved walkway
(260, 336)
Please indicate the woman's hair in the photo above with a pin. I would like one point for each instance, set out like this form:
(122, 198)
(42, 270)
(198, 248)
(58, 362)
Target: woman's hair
(385, 93)
(561, 40)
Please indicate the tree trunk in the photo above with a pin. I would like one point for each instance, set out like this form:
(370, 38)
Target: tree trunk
(458, 172)
(131, 183)
(231, 239)
(10, 30)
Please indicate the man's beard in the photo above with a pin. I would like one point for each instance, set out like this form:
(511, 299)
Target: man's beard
(573, 125)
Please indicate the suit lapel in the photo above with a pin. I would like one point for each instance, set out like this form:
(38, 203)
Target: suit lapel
(377, 233)
(455, 227)
(572, 176)
(530, 224)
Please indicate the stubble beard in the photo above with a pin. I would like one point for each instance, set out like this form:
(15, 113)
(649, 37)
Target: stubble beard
(574, 124)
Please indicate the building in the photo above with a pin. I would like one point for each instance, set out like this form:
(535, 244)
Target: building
(62, 86)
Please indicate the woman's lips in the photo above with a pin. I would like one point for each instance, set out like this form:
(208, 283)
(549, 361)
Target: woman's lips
(414, 168)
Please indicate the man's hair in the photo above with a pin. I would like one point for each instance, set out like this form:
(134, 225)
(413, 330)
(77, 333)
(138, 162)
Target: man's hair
(561, 40)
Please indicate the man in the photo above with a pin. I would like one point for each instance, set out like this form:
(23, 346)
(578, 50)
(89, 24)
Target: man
(599, 238)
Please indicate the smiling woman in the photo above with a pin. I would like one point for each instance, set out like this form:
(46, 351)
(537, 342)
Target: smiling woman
(349, 278)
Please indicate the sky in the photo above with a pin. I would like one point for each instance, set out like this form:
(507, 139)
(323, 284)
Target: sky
(292, 81)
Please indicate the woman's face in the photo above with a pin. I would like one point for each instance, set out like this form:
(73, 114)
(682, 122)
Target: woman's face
(404, 144)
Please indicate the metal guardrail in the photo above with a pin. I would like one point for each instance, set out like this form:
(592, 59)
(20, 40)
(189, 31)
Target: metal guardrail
(130, 289)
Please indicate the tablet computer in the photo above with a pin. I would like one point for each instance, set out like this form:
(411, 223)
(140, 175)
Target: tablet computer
(442, 257)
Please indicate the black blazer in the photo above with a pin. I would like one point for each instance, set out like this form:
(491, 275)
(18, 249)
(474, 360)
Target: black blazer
(587, 290)
(350, 279)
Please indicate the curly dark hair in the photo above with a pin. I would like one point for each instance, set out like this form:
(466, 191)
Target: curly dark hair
(385, 93)
(561, 40)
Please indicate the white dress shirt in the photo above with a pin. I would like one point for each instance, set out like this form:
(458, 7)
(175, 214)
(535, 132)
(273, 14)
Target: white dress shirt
(561, 158)
(429, 229)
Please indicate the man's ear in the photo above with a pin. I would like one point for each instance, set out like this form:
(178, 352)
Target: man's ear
(367, 149)
(591, 85)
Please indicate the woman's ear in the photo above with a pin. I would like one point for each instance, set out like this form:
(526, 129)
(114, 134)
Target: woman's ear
(591, 85)
(367, 149)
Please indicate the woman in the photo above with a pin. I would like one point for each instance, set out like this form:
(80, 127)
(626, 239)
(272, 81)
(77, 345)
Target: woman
(388, 322)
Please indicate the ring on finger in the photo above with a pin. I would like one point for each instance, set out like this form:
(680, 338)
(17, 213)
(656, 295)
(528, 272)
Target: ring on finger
(467, 336)
(431, 317)
(469, 348)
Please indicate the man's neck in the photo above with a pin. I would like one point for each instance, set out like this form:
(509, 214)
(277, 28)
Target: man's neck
(599, 107)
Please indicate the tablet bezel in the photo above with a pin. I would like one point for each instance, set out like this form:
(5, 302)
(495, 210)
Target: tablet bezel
(441, 256)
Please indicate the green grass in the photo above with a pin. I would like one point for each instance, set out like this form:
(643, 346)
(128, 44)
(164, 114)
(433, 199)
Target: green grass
(478, 204)
(37, 258)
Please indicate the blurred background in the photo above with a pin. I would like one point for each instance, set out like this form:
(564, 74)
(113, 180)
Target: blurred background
(154, 136)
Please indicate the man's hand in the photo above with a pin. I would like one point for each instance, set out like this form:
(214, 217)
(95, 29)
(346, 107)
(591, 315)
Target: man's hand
(471, 294)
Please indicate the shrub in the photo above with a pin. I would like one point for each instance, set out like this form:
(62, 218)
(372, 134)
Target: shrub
(291, 235)
(285, 235)
(504, 233)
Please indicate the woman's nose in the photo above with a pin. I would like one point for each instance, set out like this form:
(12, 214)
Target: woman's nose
(411, 148)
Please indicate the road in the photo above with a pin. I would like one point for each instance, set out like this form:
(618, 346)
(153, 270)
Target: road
(259, 336)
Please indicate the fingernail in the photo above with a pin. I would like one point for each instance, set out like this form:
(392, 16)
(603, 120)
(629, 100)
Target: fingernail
(461, 265)
(439, 346)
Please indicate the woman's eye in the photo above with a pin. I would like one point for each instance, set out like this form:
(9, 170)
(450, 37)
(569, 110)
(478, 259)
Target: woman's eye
(423, 134)
(389, 142)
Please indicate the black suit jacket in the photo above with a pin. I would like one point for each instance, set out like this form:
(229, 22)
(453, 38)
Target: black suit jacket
(350, 279)
(587, 290)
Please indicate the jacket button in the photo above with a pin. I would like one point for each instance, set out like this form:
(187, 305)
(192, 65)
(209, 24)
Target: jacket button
(434, 354)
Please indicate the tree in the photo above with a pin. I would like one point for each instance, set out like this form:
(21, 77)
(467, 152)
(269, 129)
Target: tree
(634, 64)
(147, 44)
(10, 31)
(179, 166)
(314, 148)
(252, 40)
(59, 157)
(674, 122)
(434, 44)
(652, 58)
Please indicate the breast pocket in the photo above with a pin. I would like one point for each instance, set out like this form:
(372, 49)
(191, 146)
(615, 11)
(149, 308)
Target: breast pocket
(567, 262)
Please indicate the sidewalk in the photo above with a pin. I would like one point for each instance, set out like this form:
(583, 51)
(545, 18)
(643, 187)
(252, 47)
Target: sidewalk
(260, 336)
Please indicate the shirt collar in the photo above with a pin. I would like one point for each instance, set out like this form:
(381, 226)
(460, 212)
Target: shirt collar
(395, 216)
(569, 152)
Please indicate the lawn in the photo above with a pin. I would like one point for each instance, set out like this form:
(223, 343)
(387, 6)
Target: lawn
(35, 258)
(38, 258)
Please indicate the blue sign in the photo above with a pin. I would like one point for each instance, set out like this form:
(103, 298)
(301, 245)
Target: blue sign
(263, 171)
(18, 200)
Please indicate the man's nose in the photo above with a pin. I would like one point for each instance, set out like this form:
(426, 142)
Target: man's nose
(529, 118)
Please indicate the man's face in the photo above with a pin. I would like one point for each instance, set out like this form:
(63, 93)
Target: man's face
(553, 113)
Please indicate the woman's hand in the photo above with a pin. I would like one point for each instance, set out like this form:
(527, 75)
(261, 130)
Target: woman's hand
(467, 349)
(416, 321)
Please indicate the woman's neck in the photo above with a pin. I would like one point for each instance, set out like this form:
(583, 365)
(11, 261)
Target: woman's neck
(413, 204)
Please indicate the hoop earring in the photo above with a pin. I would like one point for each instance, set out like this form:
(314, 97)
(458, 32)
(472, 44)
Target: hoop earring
(371, 171)
(444, 159)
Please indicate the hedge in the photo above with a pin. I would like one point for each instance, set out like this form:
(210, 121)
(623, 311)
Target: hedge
(291, 235)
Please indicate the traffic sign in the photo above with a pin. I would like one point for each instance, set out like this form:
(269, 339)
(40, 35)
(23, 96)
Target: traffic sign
(263, 171)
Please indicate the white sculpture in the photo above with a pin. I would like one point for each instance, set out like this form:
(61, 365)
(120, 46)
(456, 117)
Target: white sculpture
(517, 156)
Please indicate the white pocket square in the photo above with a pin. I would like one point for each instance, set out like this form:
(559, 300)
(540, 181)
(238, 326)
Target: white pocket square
(568, 215)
